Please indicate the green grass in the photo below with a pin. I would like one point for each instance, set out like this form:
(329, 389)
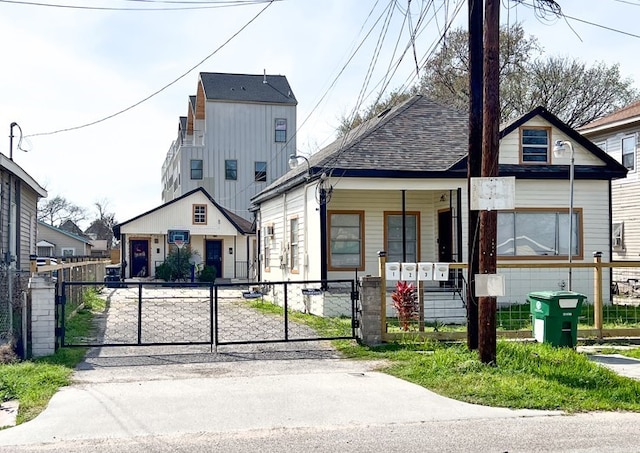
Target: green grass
(34, 382)
(527, 375)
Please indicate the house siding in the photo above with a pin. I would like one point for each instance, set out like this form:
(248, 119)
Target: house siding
(624, 192)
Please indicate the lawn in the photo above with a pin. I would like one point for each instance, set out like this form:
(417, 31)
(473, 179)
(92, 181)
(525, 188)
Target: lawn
(34, 382)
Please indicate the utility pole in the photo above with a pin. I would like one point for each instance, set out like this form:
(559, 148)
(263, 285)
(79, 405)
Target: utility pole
(474, 163)
(490, 145)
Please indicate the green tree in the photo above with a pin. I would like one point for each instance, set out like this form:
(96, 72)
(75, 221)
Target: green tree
(568, 88)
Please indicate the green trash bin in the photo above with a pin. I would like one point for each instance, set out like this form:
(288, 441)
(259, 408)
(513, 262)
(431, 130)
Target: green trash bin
(555, 316)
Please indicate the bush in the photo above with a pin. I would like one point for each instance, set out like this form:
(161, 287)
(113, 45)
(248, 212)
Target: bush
(405, 301)
(177, 266)
(208, 274)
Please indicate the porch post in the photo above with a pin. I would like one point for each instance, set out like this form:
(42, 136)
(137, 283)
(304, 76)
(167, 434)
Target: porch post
(597, 293)
(323, 234)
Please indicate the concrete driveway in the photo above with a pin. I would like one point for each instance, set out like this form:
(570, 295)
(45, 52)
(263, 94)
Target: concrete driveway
(160, 391)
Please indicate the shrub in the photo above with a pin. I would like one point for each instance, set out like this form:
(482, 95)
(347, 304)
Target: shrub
(177, 266)
(208, 274)
(405, 301)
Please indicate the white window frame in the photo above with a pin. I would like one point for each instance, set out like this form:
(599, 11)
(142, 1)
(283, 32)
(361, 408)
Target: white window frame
(525, 157)
(64, 250)
(617, 235)
(632, 137)
(294, 249)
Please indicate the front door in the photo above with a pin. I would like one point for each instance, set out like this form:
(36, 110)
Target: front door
(445, 238)
(139, 258)
(213, 255)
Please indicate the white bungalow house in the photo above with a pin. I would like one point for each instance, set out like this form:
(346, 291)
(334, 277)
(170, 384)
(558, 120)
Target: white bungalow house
(219, 237)
(328, 219)
(618, 135)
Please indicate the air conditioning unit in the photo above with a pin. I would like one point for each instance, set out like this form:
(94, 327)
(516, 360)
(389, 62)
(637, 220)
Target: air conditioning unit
(269, 230)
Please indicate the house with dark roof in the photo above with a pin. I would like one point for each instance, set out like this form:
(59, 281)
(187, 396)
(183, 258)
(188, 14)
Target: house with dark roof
(618, 135)
(234, 141)
(398, 183)
(217, 237)
(60, 242)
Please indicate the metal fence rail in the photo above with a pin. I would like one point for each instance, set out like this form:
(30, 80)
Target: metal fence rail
(160, 313)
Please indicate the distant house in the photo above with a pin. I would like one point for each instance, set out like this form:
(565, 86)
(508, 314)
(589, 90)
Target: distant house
(618, 135)
(217, 236)
(235, 140)
(18, 211)
(57, 242)
(398, 183)
(71, 227)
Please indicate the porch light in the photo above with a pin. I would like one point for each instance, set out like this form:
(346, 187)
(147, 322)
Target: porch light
(293, 163)
(559, 150)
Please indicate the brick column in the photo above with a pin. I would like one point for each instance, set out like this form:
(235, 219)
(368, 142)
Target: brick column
(43, 317)
(370, 321)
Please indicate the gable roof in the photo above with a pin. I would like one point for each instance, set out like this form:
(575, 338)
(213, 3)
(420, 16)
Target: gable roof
(432, 139)
(16, 170)
(625, 115)
(612, 169)
(64, 232)
(242, 225)
(271, 89)
(420, 138)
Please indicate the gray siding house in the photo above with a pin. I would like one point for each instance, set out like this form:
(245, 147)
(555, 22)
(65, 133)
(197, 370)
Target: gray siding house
(56, 242)
(18, 209)
(235, 140)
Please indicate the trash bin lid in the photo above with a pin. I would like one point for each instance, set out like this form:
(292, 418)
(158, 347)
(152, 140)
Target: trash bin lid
(556, 295)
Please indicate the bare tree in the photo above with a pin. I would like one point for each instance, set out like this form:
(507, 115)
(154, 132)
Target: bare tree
(568, 88)
(102, 226)
(57, 210)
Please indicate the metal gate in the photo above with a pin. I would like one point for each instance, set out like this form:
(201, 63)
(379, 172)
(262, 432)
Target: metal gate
(94, 314)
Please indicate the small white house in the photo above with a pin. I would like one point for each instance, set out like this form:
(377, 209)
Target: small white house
(398, 183)
(217, 236)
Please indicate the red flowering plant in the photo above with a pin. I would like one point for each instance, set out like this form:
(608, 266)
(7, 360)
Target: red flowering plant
(405, 301)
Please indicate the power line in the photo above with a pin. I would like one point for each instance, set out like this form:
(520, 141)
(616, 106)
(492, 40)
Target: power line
(164, 87)
(193, 5)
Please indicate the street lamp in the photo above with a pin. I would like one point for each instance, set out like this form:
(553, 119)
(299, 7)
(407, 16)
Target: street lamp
(293, 163)
(559, 150)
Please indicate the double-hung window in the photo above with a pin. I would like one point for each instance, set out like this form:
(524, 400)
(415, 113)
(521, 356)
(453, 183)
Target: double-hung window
(260, 171)
(196, 169)
(394, 244)
(539, 233)
(231, 170)
(629, 152)
(293, 245)
(534, 145)
(281, 130)
(346, 236)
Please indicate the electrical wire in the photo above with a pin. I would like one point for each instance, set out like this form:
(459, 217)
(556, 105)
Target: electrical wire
(208, 5)
(155, 93)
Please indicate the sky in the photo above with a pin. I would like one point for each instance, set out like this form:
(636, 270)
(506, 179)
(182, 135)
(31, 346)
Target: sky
(64, 68)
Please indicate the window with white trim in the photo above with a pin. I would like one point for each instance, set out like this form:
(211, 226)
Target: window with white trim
(617, 235)
(293, 244)
(538, 233)
(266, 243)
(534, 145)
(629, 152)
(346, 235)
(281, 130)
(68, 251)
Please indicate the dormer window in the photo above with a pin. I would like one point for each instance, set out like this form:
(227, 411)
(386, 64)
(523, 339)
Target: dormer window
(534, 145)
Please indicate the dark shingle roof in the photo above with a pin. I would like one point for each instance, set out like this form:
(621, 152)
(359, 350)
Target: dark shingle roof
(247, 88)
(420, 139)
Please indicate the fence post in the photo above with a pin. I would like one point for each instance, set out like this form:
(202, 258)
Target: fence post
(382, 260)
(597, 293)
(370, 324)
(43, 320)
